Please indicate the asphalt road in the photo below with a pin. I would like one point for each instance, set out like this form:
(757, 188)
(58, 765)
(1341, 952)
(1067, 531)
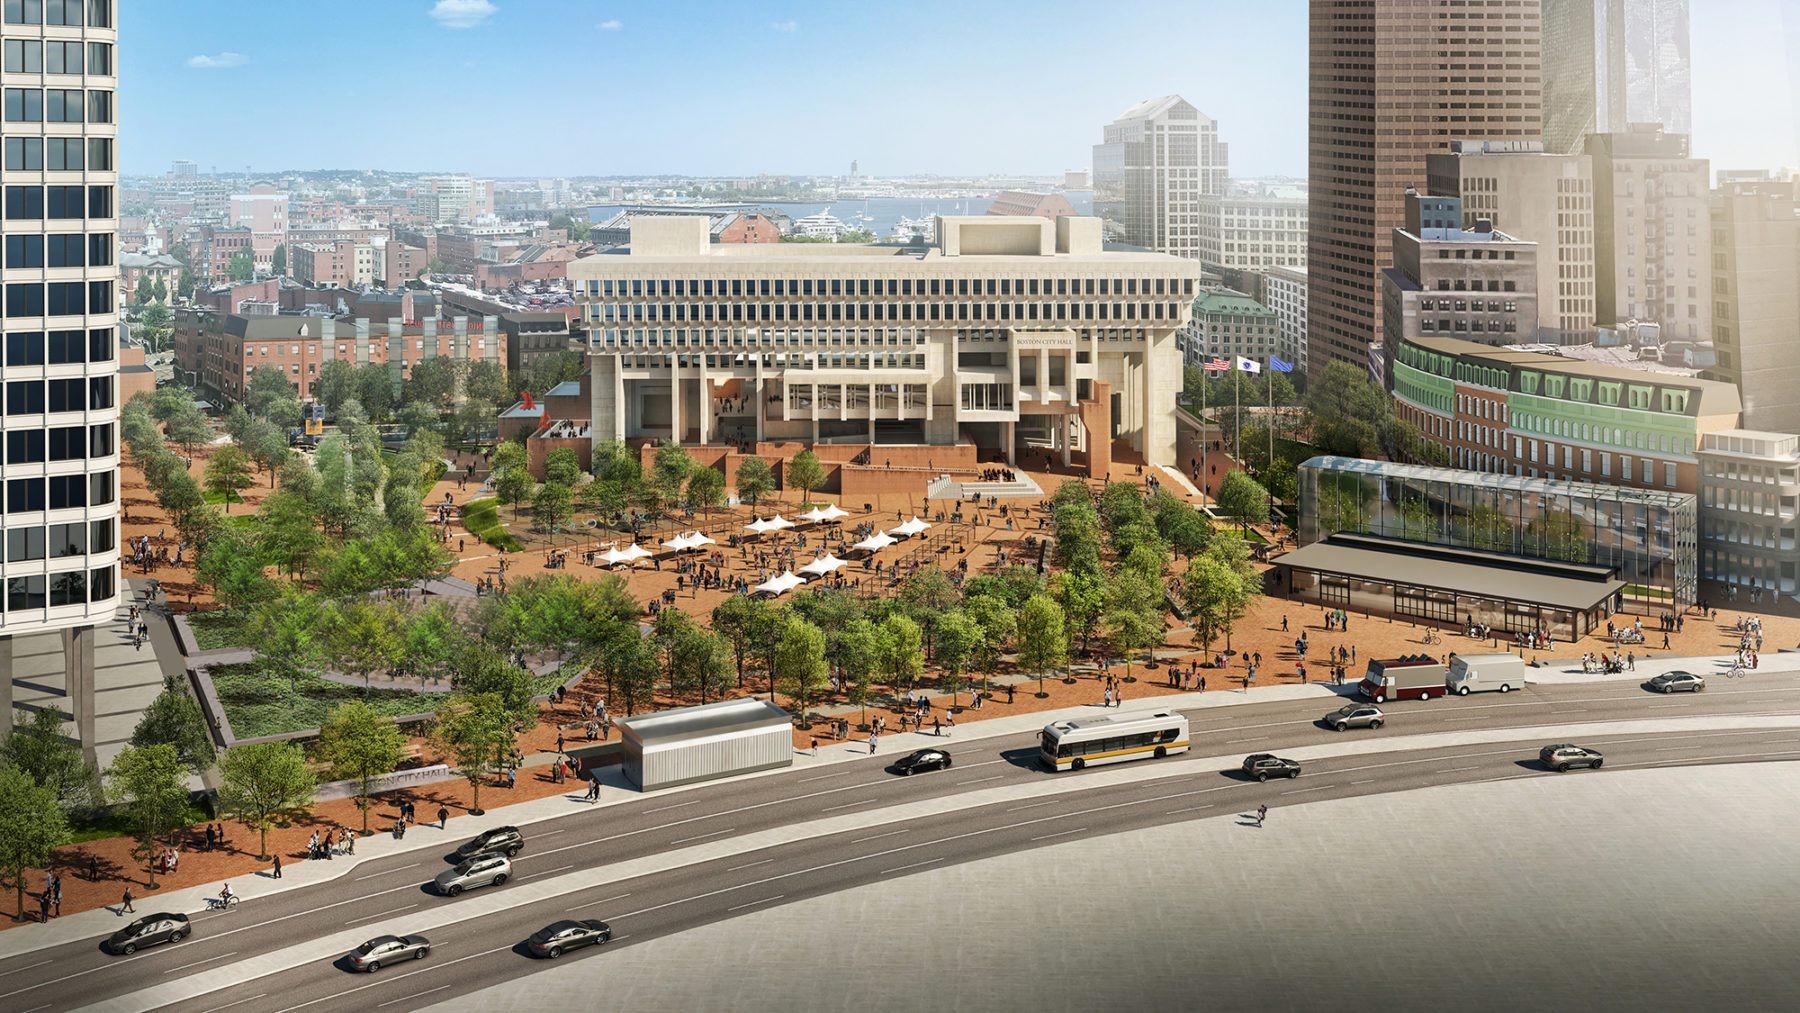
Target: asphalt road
(479, 951)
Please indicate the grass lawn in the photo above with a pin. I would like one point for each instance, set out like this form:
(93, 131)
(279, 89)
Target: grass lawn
(218, 498)
(118, 826)
(482, 518)
(258, 704)
(220, 629)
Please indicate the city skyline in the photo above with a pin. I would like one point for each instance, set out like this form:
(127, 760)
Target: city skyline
(676, 61)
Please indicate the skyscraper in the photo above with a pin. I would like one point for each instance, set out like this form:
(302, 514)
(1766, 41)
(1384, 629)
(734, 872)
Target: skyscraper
(61, 484)
(1392, 81)
(1611, 63)
(1150, 170)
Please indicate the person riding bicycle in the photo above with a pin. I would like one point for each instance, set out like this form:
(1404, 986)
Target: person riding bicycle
(226, 896)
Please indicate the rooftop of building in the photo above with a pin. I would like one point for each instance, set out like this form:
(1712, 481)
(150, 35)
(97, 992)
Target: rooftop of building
(1752, 443)
(1226, 300)
(1154, 107)
(1715, 397)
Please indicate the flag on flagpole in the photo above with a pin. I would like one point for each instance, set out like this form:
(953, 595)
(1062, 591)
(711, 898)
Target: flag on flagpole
(1249, 365)
(1277, 364)
(1216, 365)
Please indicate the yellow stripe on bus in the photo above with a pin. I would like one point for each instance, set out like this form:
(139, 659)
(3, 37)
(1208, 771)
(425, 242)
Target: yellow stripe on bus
(1117, 752)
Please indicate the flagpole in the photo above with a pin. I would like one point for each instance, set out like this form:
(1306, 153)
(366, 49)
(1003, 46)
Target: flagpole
(1203, 441)
(1269, 422)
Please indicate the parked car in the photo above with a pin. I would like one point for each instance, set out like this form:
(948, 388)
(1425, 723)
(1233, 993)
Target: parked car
(924, 759)
(1561, 756)
(488, 870)
(387, 950)
(1354, 715)
(1263, 766)
(553, 939)
(162, 927)
(492, 842)
(1670, 682)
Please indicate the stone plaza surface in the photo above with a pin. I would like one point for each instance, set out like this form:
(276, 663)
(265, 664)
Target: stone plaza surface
(1640, 890)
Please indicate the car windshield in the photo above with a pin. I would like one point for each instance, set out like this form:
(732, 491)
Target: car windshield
(463, 869)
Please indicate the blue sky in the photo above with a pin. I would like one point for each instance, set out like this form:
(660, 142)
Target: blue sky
(566, 87)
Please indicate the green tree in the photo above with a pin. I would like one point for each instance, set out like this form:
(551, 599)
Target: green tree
(706, 489)
(1043, 639)
(174, 719)
(1182, 527)
(32, 826)
(1348, 411)
(477, 733)
(289, 634)
(738, 618)
(1221, 595)
(262, 783)
(288, 536)
(805, 473)
(267, 446)
(998, 622)
(927, 596)
(902, 652)
(228, 474)
(552, 507)
(241, 267)
(1557, 534)
(1082, 597)
(38, 746)
(358, 744)
(754, 480)
(335, 385)
(858, 655)
(957, 638)
(562, 465)
(512, 484)
(278, 261)
(189, 429)
(703, 660)
(800, 663)
(1076, 528)
(146, 784)
(1243, 500)
(1134, 616)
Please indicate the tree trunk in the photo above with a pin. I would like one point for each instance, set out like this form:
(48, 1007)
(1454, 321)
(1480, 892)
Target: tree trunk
(263, 848)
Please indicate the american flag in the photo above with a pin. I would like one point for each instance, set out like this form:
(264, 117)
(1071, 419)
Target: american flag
(1216, 365)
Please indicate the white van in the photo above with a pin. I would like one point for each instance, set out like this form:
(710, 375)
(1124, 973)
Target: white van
(1476, 672)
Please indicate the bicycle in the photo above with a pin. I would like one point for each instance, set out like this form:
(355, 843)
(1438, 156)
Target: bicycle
(1736, 672)
(1432, 637)
(225, 903)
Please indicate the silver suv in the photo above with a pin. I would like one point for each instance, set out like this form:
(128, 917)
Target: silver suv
(483, 871)
(1354, 715)
(1560, 756)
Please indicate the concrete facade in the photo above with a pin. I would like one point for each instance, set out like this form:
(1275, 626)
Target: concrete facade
(1284, 289)
(995, 336)
(1541, 198)
(1225, 323)
(1253, 231)
(1756, 300)
(1476, 284)
(1153, 165)
(1749, 484)
(1382, 97)
(1653, 246)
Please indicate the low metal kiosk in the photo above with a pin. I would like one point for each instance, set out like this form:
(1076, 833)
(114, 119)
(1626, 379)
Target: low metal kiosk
(705, 742)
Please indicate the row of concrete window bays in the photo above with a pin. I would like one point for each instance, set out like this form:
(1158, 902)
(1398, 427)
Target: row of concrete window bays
(975, 392)
(599, 314)
(739, 288)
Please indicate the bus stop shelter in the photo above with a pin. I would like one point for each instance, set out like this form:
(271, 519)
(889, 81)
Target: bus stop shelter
(666, 748)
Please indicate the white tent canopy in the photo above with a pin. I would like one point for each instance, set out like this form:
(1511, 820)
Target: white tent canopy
(635, 552)
(696, 539)
(875, 542)
(775, 523)
(909, 529)
(829, 512)
(679, 543)
(613, 557)
(821, 566)
(778, 585)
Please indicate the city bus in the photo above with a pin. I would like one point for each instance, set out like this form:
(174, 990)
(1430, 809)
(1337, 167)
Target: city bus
(1072, 745)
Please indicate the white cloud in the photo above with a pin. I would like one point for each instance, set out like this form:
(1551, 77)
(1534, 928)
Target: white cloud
(610, 26)
(786, 26)
(462, 13)
(221, 60)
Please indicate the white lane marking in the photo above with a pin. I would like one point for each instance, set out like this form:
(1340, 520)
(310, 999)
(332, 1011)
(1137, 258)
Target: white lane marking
(402, 868)
(608, 900)
(1189, 809)
(197, 963)
(27, 967)
(677, 805)
(753, 903)
(1064, 833)
(1453, 770)
(915, 865)
(382, 914)
(702, 837)
(1033, 805)
(1322, 787)
(752, 865)
(981, 780)
(393, 978)
(819, 777)
(1263, 738)
(549, 833)
(228, 1005)
(984, 763)
(877, 837)
(846, 805)
(547, 872)
(415, 995)
(1369, 781)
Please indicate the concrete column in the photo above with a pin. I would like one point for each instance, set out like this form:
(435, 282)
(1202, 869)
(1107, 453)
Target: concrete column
(675, 428)
(78, 676)
(1008, 436)
(1067, 425)
(1043, 375)
(761, 400)
(6, 685)
(618, 380)
(706, 403)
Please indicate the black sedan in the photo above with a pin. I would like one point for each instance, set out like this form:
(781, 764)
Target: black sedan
(554, 938)
(387, 950)
(164, 927)
(923, 759)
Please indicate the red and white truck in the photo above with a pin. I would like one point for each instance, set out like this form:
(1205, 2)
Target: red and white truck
(1409, 677)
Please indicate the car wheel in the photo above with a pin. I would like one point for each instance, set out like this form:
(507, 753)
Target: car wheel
(1077, 764)
(906, 773)
(1464, 691)
(512, 851)
(1293, 774)
(129, 949)
(1700, 688)
(1262, 775)
(1597, 763)
(1562, 768)
(422, 951)
(454, 890)
(555, 951)
(1375, 724)
(1340, 726)
(946, 763)
(176, 937)
(374, 966)
(500, 879)
(1667, 690)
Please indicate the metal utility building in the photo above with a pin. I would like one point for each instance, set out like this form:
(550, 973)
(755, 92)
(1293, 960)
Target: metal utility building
(709, 741)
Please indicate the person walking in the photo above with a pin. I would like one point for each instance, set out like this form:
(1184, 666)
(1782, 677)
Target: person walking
(349, 841)
(815, 745)
(276, 872)
(125, 905)
(871, 743)
(593, 793)
(443, 817)
(1261, 812)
